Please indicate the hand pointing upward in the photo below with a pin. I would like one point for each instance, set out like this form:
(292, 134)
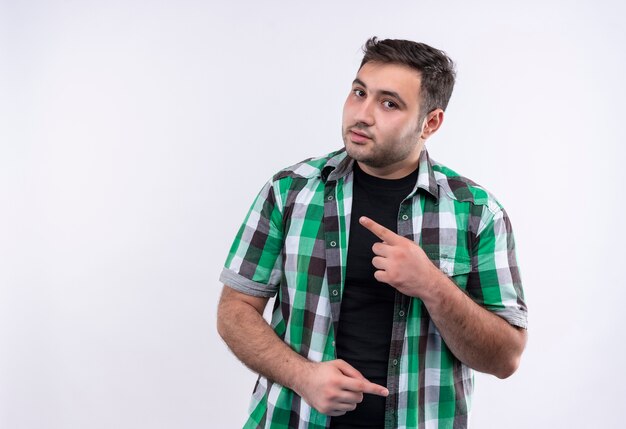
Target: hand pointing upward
(401, 263)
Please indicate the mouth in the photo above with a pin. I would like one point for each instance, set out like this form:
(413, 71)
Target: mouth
(358, 136)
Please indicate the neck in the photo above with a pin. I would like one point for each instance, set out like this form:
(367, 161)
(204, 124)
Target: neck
(397, 170)
(389, 172)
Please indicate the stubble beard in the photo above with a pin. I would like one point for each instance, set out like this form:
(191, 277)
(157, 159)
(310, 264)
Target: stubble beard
(375, 158)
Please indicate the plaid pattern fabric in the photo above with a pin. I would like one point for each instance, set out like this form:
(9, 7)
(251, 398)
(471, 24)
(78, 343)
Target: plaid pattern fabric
(293, 243)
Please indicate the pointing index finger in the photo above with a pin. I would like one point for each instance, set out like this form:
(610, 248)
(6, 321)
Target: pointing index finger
(375, 389)
(366, 386)
(385, 234)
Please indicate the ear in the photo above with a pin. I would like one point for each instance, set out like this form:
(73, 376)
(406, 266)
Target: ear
(432, 122)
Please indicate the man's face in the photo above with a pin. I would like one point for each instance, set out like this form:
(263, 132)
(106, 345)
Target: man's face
(380, 120)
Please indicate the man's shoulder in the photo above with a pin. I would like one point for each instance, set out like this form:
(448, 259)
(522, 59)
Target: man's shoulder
(462, 189)
(311, 168)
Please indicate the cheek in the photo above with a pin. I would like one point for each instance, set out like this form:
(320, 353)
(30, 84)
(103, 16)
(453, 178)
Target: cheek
(396, 128)
(348, 108)
(344, 118)
(408, 129)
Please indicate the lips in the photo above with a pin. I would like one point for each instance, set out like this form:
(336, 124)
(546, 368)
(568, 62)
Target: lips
(358, 136)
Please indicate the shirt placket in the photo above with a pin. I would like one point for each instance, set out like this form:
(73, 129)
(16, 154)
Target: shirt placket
(406, 228)
(333, 250)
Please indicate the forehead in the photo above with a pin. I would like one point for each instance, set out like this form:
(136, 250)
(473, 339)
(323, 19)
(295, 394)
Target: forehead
(398, 78)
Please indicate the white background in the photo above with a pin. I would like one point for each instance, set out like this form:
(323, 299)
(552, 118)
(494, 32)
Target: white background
(134, 135)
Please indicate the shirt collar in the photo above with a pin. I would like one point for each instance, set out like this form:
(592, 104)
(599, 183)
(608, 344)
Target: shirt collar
(337, 167)
(341, 165)
(426, 176)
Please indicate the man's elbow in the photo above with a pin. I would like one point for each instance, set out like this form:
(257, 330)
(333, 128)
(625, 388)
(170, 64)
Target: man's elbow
(221, 328)
(511, 362)
(222, 320)
(508, 368)
(226, 308)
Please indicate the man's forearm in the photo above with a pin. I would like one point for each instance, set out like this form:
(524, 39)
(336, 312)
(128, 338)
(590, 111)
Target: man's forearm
(476, 336)
(253, 341)
(332, 387)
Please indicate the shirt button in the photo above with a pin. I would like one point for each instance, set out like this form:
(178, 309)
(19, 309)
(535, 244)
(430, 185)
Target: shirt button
(395, 362)
(405, 217)
(330, 198)
(401, 313)
(335, 292)
(333, 343)
(333, 243)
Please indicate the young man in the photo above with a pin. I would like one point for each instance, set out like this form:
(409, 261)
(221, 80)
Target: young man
(395, 276)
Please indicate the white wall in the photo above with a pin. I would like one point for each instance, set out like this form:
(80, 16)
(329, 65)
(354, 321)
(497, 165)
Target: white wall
(134, 134)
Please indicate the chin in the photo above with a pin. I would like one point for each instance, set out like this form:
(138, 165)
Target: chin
(354, 152)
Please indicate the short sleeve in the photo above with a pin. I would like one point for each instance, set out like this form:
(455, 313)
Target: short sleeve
(253, 265)
(494, 281)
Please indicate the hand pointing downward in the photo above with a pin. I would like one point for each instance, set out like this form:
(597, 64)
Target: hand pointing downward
(401, 263)
(335, 387)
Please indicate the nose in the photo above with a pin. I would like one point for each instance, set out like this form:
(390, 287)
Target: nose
(364, 113)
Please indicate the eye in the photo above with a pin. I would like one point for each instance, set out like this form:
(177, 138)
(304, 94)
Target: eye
(358, 92)
(390, 104)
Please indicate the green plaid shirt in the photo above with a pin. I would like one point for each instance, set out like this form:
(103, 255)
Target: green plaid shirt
(294, 242)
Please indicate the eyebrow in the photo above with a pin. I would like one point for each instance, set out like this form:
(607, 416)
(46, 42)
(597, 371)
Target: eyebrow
(382, 91)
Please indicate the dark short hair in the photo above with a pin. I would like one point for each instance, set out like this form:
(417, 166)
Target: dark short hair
(435, 67)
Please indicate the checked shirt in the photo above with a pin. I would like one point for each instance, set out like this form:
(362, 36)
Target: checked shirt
(294, 242)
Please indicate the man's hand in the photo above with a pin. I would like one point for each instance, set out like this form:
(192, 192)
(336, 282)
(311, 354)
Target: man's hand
(335, 387)
(477, 337)
(401, 263)
(332, 387)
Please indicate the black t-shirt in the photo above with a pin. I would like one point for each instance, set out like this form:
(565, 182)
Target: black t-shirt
(366, 317)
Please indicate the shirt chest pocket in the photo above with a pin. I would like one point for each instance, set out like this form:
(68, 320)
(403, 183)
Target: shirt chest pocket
(456, 267)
